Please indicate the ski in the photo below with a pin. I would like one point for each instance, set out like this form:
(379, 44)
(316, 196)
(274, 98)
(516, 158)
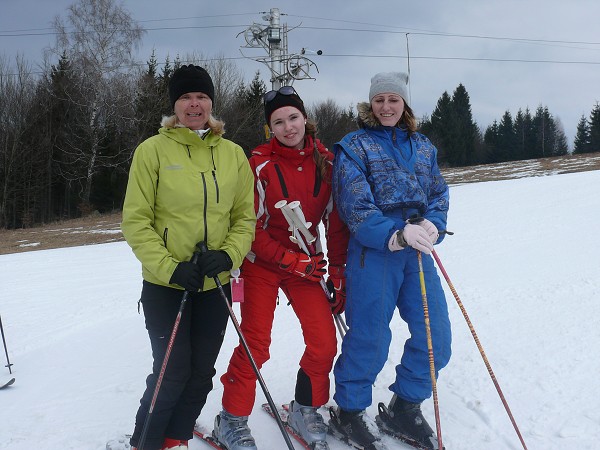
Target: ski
(384, 428)
(283, 415)
(340, 436)
(207, 438)
(8, 383)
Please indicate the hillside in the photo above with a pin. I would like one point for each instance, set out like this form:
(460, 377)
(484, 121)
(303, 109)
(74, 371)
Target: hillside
(97, 229)
(81, 354)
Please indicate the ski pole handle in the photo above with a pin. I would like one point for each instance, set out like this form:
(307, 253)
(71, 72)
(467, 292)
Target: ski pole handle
(300, 221)
(282, 206)
(296, 223)
(294, 216)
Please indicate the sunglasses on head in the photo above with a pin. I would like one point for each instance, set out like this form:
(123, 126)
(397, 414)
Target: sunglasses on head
(284, 90)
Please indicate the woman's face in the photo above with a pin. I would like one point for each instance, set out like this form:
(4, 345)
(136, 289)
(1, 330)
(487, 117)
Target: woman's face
(288, 126)
(193, 110)
(388, 108)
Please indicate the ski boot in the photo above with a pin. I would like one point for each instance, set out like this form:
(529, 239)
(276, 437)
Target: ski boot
(309, 424)
(404, 420)
(233, 432)
(355, 429)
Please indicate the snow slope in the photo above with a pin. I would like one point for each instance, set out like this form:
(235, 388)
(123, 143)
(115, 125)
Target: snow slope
(524, 261)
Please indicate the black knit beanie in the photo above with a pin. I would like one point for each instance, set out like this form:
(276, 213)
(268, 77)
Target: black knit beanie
(190, 79)
(280, 101)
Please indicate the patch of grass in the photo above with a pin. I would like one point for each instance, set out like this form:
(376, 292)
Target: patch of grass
(106, 228)
(93, 229)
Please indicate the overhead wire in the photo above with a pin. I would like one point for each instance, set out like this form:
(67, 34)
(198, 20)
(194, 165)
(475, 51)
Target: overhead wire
(394, 30)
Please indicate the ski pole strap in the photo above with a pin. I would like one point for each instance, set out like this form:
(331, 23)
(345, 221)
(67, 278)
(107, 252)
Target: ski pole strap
(416, 219)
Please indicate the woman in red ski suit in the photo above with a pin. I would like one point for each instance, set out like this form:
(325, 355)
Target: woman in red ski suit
(293, 166)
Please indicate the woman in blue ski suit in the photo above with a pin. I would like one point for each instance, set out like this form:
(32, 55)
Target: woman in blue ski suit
(384, 174)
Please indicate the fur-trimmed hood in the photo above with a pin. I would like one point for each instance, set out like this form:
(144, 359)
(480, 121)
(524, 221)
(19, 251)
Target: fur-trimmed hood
(366, 118)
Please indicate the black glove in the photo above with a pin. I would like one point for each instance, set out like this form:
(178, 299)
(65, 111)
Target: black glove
(213, 262)
(336, 285)
(189, 276)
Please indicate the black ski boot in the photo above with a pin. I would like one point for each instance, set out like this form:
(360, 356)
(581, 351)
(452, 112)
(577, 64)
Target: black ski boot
(351, 428)
(404, 421)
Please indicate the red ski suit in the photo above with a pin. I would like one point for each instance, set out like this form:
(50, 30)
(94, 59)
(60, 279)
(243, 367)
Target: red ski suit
(283, 173)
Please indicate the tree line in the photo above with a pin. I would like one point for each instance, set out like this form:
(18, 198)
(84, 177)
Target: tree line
(67, 136)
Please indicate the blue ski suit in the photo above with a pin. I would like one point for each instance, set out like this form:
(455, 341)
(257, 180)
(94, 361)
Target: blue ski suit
(381, 177)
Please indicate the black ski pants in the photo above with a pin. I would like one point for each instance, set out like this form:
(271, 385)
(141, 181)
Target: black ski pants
(191, 366)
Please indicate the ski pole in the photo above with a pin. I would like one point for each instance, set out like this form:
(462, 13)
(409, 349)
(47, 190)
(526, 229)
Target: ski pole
(436, 406)
(480, 347)
(293, 214)
(302, 225)
(261, 381)
(163, 368)
(340, 324)
(5, 349)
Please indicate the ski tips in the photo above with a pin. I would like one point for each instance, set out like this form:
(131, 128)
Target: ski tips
(8, 383)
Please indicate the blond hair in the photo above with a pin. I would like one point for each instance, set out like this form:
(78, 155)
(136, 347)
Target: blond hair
(216, 126)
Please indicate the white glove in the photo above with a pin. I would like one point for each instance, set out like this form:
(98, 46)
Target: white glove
(413, 235)
(431, 230)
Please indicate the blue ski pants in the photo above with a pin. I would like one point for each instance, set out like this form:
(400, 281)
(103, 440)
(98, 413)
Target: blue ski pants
(378, 283)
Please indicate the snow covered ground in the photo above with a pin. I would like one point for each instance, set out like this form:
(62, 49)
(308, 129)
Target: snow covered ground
(524, 261)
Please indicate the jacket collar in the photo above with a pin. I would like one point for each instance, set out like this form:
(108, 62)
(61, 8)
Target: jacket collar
(186, 136)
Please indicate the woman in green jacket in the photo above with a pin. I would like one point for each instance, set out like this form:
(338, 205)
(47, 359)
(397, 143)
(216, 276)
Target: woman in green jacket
(187, 185)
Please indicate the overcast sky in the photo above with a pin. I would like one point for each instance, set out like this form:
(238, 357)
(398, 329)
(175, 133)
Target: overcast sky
(508, 54)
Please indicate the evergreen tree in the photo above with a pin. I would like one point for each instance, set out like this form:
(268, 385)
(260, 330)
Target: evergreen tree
(61, 117)
(550, 137)
(452, 130)
(490, 139)
(464, 130)
(151, 100)
(544, 132)
(595, 129)
(529, 134)
(507, 139)
(560, 146)
(581, 144)
(440, 133)
(524, 136)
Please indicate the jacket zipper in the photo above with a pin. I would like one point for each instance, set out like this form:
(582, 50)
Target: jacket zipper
(284, 190)
(317, 187)
(216, 184)
(205, 212)
(214, 171)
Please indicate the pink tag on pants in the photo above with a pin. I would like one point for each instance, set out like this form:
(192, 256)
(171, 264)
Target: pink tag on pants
(237, 290)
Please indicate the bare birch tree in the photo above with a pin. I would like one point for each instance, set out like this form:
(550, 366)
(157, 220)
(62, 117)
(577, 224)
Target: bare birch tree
(99, 38)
